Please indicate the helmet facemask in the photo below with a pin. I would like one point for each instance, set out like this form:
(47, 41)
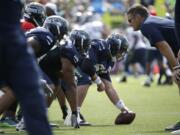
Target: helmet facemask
(118, 46)
(57, 25)
(81, 41)
(35, 13)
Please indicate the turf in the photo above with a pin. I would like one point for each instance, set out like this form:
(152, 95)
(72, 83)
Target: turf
(156, 107)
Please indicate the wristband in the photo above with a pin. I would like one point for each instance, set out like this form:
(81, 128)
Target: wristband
(98, 80)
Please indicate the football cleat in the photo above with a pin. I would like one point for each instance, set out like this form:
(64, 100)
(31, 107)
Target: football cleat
(74, 121)
(67, 121)
(1, 131)
(82, 121)
(21, 125)
(8, 122)
(173, 127)
(176, 132)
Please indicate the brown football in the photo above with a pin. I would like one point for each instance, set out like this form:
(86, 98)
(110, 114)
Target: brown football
(125, 118)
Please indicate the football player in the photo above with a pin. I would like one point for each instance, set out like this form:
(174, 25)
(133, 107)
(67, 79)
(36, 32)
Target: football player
(42, 39)
(102, 56)
(33, 16)
(59, 64)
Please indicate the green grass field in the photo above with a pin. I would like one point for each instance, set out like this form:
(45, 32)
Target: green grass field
(156, 107)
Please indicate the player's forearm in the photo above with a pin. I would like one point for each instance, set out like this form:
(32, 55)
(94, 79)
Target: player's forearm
(171, 58)
(168, 53)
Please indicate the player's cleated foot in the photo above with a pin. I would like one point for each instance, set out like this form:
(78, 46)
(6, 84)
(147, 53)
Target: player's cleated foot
(168, 81)
(74, 122)
(21, 126)
(176, 132)
(8, 122)
(123, 79)
(84, 123)
(82, 117)
(173, 127)
(147, 83)
(54, 125)
(64, 116)
(1, 131)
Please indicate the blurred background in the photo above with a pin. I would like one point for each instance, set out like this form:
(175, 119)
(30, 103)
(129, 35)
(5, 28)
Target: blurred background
(101, 17)
(112, 12)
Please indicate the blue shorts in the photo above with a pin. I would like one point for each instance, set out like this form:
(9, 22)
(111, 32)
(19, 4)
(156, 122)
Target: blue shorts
(153, 55)
(84, 79)
(139, 56)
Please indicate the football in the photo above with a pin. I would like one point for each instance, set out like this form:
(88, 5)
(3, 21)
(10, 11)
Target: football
(125, 118)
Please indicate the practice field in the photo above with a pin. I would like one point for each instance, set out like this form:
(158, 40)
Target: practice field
(156, 107)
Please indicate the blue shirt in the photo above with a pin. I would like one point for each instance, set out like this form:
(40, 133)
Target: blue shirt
(45, 38)
(99, 54)
(69, 51)
(157, 29)
(51, 61)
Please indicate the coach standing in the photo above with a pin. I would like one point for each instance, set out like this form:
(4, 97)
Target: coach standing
(161, 34)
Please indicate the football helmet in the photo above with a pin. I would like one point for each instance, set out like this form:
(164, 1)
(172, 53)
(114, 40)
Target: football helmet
(118, 46)
(35, 13)
(57, 25)
(80, 40)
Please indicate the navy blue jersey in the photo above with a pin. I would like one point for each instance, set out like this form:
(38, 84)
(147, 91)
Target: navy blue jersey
(69, 51)
(99, 54)
(98, 61)
(51, 62)
(45, 38)
(158, 29)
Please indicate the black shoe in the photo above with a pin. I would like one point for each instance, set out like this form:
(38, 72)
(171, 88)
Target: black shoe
(173, 127)
(123, 79)
(1, 131)
(82, 121)
(64, 110)
(64, 116)
(147, 84)
(82, 117)
(168, 81)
